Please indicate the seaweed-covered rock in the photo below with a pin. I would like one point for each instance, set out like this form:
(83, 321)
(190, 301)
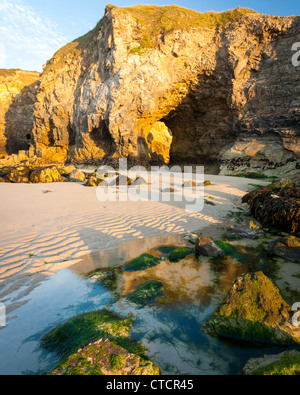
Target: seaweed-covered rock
(276, 206)
(146, 293)
(283, 364)
(45, 175)
(207, 247)
(254, 311)
(287, 248)
(105, 357)
(90, 343)
(180, 253)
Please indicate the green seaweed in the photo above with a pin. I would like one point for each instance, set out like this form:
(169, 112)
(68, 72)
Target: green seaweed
(231, 251)
(146, 293)
(166, 250)
(179, 253)
(67, 338)
(287, 365)
(116, 362)
(143, 262)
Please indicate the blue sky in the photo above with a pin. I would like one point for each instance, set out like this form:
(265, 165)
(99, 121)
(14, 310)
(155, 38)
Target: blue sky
(31, 31)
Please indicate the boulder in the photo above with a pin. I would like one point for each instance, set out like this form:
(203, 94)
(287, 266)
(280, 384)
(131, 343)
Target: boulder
(67, 169)
(276, 206)
(77, 176)
(45, 175)
(105, 357)
(93, 181)
(170, 190)
(18, 174)
(287, 248)
(286, 363)
(207, 247)
(139, 181)
(189, 184)
(121, 180)
(93, 344)
(249, 229)
(191, 238)
(254, 311)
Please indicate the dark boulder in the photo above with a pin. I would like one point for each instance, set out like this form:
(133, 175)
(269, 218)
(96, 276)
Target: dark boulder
(277, 205)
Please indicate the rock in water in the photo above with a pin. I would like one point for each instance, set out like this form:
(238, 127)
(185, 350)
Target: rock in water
(287, 248)
(207, 247)
(105, 357)
(254, 311)
(276, 207)
(284, 364)
(97, 343)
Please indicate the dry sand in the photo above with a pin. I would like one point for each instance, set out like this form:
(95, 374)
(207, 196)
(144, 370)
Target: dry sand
(42, 233)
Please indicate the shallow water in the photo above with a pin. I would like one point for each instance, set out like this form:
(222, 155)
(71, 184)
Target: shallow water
(169, 324)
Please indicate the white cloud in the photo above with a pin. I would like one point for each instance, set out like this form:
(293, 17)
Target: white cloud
(27, 40)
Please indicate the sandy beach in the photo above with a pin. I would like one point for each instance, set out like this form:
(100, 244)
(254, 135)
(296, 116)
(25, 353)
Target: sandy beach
(47, 227)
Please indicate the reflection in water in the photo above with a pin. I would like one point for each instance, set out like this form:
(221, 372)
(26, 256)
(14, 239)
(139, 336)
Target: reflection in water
(170, 303)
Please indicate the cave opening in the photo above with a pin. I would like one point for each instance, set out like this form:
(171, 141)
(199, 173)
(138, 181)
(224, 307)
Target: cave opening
(201, 126)
(102, 138)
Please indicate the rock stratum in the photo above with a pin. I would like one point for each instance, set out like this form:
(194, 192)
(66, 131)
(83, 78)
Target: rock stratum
(163, 85)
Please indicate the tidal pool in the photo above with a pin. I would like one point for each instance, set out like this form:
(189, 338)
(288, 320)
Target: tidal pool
(171, 296)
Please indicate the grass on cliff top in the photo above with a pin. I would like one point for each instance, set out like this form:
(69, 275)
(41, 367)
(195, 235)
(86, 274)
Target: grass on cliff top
(153, 21)
(156, 20)
(6, 73)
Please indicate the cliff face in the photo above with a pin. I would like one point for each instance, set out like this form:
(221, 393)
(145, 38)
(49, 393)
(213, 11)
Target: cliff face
(17, 98)
(164, 83)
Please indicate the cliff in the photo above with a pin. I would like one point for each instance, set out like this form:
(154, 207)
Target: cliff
(17, 99)
(159, 84)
